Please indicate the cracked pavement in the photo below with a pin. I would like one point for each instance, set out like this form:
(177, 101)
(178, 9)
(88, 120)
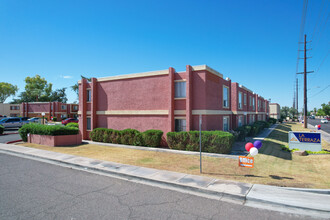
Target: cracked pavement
(31, 189)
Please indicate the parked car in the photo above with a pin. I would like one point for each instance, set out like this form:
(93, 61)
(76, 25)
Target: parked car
(35, 119)
(324, 121)
(312, 117)
(68, 120)
(13, 122)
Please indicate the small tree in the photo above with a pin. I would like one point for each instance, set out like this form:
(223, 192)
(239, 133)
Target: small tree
(6, 90)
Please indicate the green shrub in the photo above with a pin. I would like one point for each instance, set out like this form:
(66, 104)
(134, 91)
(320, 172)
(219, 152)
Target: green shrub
(112, 136)
(152, 138)
(72, 124)
(242, 133)
(97, 134)
(52, 130)
(272, 120)
(131, 137)
(2, 128)
(212, 141)
(54, 118)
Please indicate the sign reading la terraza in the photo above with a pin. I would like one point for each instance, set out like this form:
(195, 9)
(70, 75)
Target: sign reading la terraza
(310, 141)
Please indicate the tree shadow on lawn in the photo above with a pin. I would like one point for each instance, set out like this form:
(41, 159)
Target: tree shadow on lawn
(274, 149)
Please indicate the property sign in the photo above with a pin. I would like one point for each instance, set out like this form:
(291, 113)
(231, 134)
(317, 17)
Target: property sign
(246, 162)
(310, 141)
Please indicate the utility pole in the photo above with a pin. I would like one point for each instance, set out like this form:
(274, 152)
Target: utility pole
(305, 81)
(297, 96)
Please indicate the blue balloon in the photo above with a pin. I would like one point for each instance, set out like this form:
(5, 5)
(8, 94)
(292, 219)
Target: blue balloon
(257, 144)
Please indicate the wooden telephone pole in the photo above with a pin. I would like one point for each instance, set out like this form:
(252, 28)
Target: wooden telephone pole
(305, 80)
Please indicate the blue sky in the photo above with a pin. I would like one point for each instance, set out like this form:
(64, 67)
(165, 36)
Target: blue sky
(254, 43)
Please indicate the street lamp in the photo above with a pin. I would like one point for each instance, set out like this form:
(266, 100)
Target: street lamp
(43, 115)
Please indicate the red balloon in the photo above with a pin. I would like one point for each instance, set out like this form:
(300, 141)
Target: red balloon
(248, 146)
(319, 126)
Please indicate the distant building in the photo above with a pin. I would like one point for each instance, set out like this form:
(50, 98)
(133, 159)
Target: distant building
(10, 110)
(274, 111)
(51, 109)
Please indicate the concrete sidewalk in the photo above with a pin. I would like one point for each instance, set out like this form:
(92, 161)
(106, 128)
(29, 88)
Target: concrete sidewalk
(239, 147)
(300, 201)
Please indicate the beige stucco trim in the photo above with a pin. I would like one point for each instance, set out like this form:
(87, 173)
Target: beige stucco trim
(211, 112)
(242, 113)
(88, 112)
(205, 67)
(134, 75)
(179, 112)
(184, 118)
(179, 98)
(243, 87)
(180, 80)
(79, 113)
(133, 112)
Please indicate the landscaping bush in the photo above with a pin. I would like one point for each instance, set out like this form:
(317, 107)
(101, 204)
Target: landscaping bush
(242, 133)
(2, 128)
(152, 138)
(72, 124)
(212, 141)
(112, 136)
(54, 118)
(131, 137)
(272, 120)
(52, 130)
(97, 134)
(149, 138)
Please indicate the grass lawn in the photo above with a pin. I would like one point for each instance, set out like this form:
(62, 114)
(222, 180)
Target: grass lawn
(272, 165)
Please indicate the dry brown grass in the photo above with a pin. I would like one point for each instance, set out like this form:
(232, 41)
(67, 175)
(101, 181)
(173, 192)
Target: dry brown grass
(272, 165)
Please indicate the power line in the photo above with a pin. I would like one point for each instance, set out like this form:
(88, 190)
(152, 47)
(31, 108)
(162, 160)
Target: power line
(320, 91)
(302, 28)
(318, 18)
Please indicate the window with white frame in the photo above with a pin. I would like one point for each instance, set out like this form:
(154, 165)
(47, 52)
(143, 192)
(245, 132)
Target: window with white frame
(180, 125)
(180, 89)
(75, 107)
(225, 97)
(251, 119)
(89, 124)
(89, 95)
(250, 100)
(240, 119)
(254, 103)
(63, 107)
(225, 123)
(239, 100)
(245, 98)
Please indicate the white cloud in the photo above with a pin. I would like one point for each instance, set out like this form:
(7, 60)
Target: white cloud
(67, 77)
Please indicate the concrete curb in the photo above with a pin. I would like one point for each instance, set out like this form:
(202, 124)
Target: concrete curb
(11, 142)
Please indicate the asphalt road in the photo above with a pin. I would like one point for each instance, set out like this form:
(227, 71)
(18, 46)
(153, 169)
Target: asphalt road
(8, 136)
(31, 189)
(324, 127)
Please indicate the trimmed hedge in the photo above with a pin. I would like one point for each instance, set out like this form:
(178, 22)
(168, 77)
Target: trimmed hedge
(250, 130)
(152, 138)
(52, 130)
(272, 120)
(212, 141)
(149, 138)
(72, 124)
(2, 128)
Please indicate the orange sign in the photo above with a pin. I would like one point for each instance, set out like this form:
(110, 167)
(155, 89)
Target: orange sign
(246, 162)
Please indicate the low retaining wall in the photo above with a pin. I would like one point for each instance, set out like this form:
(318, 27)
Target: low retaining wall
(53, 141)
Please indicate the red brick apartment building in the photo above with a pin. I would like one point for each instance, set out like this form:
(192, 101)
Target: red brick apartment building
(247, 107)
(167, 100)
(51, 109)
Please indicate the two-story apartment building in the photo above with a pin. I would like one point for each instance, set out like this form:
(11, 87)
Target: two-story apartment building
(10, 110)
(51, 109)
(166, 100)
